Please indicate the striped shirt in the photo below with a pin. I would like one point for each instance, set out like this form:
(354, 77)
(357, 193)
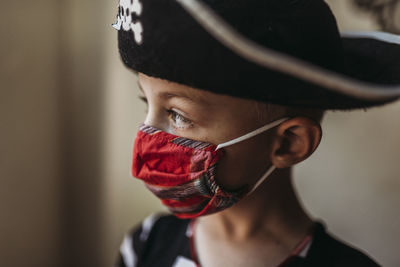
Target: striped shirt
(166, 241)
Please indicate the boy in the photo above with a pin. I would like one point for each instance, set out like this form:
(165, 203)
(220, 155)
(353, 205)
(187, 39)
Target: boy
(228, 116)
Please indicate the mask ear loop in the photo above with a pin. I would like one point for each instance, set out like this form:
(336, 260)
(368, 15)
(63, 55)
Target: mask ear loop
(252, 134)
(262, 179)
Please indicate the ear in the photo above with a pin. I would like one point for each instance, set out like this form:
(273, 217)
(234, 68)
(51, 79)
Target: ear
(295, 140)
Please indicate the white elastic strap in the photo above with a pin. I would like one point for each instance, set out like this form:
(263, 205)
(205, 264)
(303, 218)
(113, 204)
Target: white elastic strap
(253, 133)
(262, 179)
(283, 63)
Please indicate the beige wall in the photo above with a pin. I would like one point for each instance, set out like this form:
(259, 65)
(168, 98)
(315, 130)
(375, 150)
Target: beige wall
(29, 158)
(50, 118)
(68, 116)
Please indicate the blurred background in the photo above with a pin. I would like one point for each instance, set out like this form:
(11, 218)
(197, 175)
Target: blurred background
(69, 112)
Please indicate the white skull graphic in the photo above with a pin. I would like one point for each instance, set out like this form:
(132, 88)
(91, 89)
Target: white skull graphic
(125, 18)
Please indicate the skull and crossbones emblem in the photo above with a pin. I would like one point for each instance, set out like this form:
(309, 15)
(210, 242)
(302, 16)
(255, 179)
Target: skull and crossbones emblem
(127, 11)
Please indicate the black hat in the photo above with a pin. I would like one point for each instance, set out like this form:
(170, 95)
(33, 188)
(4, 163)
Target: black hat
(286, 52)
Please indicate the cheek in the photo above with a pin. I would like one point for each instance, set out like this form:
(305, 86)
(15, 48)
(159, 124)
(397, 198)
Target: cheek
(244, 163)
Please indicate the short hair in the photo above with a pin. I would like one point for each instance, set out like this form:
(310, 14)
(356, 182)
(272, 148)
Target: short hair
(271, 112)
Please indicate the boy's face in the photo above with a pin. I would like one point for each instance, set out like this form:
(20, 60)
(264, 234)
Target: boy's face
(212, 118)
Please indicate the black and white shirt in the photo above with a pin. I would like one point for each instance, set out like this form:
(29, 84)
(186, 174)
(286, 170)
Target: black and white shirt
(165, 241)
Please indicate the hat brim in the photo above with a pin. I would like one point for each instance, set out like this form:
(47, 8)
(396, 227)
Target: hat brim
(370, 77)
(373, 57)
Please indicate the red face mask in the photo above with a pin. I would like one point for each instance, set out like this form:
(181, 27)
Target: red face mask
(181, 171)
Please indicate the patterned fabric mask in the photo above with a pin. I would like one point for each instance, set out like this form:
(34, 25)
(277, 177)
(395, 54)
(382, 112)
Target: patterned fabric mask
(181, 171)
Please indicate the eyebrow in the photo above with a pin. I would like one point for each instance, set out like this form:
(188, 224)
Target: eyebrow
(165, 95)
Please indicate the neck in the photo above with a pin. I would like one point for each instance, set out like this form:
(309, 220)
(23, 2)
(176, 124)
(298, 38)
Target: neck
(273, 209)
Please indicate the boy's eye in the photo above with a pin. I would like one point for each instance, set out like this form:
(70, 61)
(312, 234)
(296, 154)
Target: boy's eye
(179, 120)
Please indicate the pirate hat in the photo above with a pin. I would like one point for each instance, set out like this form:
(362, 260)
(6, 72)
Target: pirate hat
(287, 52)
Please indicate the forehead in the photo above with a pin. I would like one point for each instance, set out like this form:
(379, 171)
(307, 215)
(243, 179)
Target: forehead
(210, 103)
(155, 87)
